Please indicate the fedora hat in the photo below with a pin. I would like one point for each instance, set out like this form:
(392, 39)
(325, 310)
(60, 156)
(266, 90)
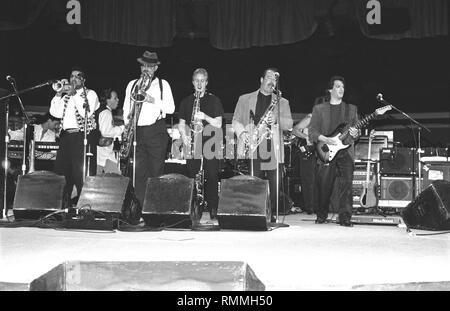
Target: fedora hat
(149, 58)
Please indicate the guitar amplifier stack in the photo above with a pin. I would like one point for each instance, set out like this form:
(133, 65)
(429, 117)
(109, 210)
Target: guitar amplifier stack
(397, 177)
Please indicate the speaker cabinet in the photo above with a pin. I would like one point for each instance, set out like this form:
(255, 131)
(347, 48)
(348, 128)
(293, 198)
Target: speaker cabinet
(432, 171)
(431, 209)
(396, 191)
(149, 276)
(38, 194)
(110, 194)
(362, 147)
(244, 203)
(397, 161)
(168, 202)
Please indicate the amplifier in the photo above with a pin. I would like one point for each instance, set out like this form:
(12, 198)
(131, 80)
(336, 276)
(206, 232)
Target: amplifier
(397, 161)
(432, 171)
(362, 147)
(396, 191)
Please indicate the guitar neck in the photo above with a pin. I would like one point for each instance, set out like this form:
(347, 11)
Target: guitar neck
(359, 125)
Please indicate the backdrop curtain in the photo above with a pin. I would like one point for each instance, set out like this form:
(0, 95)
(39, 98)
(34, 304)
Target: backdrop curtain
(136, 22)
(20, 14)
(242, 24)
(429, 18)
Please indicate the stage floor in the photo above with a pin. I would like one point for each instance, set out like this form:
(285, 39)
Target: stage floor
(303, 256)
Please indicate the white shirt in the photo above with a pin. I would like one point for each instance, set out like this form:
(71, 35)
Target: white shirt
(49, 136)
(70, 120)
(151, 112)
(107, 129)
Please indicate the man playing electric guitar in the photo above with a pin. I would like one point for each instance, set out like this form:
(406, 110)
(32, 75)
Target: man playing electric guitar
(325, 118)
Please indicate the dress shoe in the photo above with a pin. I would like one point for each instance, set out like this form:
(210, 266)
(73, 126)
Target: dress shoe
(346, 223)
(320, 220)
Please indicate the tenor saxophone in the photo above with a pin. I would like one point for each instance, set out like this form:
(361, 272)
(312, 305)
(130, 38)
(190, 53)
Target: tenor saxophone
(262, 130)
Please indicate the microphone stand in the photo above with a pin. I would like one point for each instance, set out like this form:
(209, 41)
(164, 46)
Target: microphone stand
(278, 151)
(86, 111)
(419, 149)
(6, 164)
(252, 128)
(17, 93)
(25, 127)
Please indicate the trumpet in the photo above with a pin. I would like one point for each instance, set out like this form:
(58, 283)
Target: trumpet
(63, 86)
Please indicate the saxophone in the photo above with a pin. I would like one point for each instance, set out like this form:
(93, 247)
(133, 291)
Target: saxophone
(199, 183)
(262, 130)
(137, 97)
(196, 125)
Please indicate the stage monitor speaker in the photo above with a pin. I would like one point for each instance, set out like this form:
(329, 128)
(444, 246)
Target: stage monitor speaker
(149, 276)
(38, 194)
(244, 203)
(168, 202)
(397, 161)
(431, 209)
(435, 171)
(110, 194)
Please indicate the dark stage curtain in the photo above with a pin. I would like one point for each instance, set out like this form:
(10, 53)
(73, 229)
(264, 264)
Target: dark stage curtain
(20, 14)
(237, 24)
(428, 18)
(136, 22)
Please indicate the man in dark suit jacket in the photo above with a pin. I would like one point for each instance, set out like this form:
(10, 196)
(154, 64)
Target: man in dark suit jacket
(325, 119)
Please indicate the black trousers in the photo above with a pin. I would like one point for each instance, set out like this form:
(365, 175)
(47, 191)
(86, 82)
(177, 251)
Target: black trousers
(69, 160)
(211, 170)
(307, 172)
(342, 168)
(151, 151)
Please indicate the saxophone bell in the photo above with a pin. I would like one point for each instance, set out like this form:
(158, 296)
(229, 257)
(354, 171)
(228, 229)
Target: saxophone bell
(139, 94)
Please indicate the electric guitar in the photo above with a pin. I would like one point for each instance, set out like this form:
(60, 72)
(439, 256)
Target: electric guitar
(368, 197)
(327, 152)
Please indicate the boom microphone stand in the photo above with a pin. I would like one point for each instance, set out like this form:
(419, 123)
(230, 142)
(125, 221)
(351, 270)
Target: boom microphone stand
(419, 149)
(6, 98)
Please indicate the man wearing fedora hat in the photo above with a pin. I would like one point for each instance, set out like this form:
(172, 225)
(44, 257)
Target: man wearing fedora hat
(151, 130)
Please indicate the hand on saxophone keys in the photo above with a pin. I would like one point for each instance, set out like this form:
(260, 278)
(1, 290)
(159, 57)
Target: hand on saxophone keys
(270, 119)
(199, 115)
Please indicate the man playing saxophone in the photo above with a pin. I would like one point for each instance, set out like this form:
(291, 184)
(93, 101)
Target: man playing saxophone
(258, 108)
(200, 117)
(151, 131)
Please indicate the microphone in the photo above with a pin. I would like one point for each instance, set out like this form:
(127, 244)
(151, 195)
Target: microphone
(380, 97)
(10, 79)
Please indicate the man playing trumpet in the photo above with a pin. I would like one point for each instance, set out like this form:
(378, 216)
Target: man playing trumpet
(69, 104)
